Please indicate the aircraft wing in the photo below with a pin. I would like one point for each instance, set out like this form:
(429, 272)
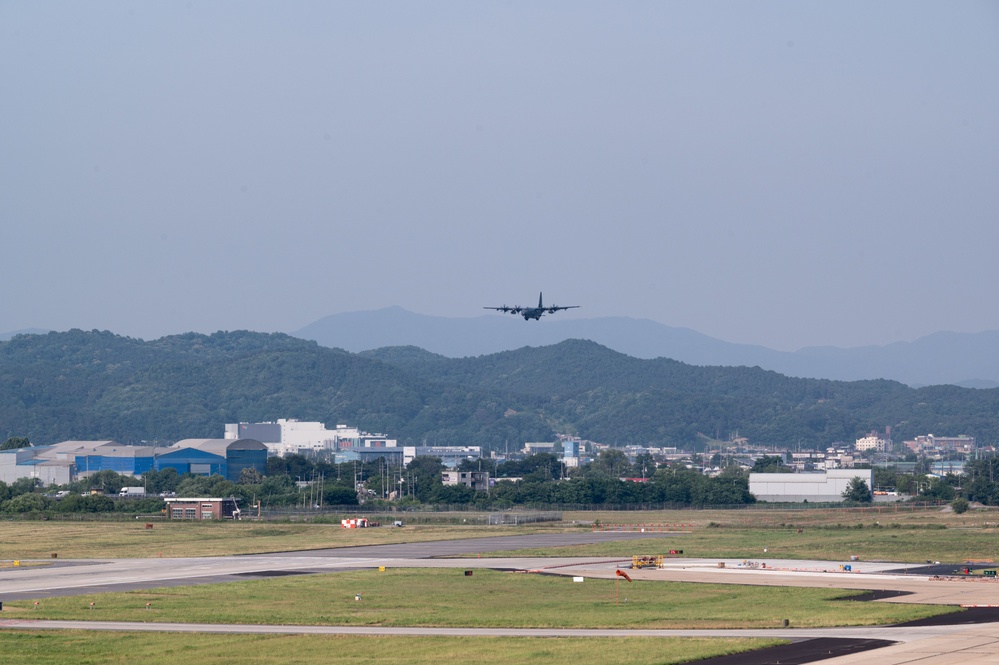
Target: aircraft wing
(555, 308)
(516, 309)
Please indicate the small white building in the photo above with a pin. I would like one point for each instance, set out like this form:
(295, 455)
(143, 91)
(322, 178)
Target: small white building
(535, 447)
(827, 486)
(872, 442)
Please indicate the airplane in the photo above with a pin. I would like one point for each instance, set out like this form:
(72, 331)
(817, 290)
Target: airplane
(532, 312)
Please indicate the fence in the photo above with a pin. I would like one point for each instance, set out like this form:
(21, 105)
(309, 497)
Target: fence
(334, 516)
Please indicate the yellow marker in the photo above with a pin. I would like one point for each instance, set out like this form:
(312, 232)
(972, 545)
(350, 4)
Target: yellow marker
(17, 563)
(381, 569)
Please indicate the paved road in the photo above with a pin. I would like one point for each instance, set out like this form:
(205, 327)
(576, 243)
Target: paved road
(68, 577)
(899, 634)
(937, 645)
(438, 548)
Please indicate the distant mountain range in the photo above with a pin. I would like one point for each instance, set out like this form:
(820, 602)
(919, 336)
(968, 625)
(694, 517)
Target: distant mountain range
(969, 360)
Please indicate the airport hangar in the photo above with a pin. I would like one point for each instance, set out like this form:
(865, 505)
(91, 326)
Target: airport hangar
(67, 461)
(824, 487)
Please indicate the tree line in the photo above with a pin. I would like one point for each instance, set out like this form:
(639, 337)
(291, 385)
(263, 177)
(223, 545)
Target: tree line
(539, 480)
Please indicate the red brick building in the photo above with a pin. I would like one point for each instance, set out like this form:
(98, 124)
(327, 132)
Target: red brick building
(202, 509)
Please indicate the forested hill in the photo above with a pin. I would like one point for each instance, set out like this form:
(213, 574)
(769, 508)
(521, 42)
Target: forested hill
(577, 366)
(96, 385)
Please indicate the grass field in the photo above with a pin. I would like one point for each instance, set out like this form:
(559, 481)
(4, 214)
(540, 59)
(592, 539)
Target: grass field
(446, 597)
(763, 516)
(488, 598)
(58, 648)
(831, 543)
(884, 533)
(122, 540)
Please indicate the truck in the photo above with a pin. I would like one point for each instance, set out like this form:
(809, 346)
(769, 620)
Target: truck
(132, 492)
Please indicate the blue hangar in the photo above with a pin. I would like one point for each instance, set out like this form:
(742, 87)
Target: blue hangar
(64, 462)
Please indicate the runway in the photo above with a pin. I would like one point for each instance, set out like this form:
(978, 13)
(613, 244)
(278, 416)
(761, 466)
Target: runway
(929, 644)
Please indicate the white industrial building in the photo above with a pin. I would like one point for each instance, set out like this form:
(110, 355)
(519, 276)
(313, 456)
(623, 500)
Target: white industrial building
(827, 486)
(291, 436)
(31, 463)
(450, 456)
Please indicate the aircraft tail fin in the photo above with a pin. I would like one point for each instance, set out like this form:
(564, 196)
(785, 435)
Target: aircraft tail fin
(540, 306)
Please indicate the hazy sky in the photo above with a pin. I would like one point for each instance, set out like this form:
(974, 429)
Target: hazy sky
(779, 173)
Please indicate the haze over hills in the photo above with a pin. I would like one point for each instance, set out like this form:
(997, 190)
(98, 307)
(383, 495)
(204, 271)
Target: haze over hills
(969, 360)
(964, 359)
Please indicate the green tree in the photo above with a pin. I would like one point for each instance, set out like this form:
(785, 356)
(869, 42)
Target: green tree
(15, 442)
(645, 465)
(453, 495)
(340, 495)
(164, 480)
(939, 489)
(959, 505)
(857, 490)
(193, 486)
(250, 476)
(111, 482)
(612, 462)
(26, 503)
(423, 475)
(770, 464)
(23, 486)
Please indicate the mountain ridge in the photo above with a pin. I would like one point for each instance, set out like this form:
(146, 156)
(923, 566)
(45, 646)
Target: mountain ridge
(97, 385)
(942, 358)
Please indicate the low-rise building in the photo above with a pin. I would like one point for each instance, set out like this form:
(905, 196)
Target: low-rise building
(202, 509)
(450, 456)
(370, 453)
(476, 480)
(827, 486)
(930, 444)
(872, 442)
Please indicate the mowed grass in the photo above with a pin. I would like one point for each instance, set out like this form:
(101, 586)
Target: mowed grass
(826, 543)
(881, 534)
(886, 533)
(122, 540)
(449, 598)
(58, 648)
(763, 516)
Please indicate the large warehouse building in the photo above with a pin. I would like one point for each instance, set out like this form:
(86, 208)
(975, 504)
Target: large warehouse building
(65, 462)
(824, 487)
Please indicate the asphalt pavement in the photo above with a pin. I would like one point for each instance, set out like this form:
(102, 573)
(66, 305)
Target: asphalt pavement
(971, 638)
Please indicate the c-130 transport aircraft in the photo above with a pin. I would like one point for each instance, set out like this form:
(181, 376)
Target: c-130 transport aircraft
(532, 312)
